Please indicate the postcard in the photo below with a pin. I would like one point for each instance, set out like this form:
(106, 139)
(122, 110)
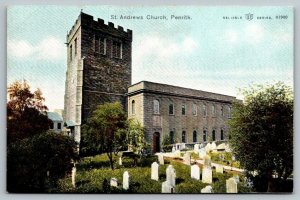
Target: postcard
(165, 99)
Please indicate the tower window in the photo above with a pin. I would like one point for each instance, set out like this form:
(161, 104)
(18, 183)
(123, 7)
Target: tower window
(117, 49)
(214, 135)
(194, 109)
(204, 110)
(70, 52)
(183, 137)
(229, 112)
(195, 136)
(222, 110)
(183, 108)
(213, 110)
(204, 135)
(172, 137)
(156, 106)
(75, 49)
(222, 134)
(171, 109)
(100, 45)
(133, 107)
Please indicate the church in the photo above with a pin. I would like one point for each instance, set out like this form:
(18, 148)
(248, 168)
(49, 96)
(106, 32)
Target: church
(99, 70)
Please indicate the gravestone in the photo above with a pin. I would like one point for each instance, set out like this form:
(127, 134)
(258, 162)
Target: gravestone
(126, 180)
(236, 178)
(166, 187)
(207, 189)
(202, 153)
(173, 149)
(221, 146)
(208, 147)
(120, 161)
(187, 158)
(177, 154)
(195, 172)
(207, 171)
(161, 159)
(201, 146)
(171, 175)
(73, 177)
(196, 148)
(231, 186)
(227, 148)
(220, 169)
(213, 146)
(114, 182)
(155, 171)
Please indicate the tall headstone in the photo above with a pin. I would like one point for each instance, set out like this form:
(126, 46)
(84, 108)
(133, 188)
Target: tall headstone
(220, 169)
(120, 161)
(187, 158)
(167, 188)
(202, 153)
(208, 147)
(155, 171)
(173, 149)
(73, 177)
(126, 180)
(207, 171)
(171, 175)
(231, 186)
(196, 148)
(195, 172)
(161, 159)
(177, 154)
(207, 189)
(114, 182)
(213, 146)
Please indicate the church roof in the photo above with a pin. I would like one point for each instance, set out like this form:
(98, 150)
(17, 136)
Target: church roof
(54, 116)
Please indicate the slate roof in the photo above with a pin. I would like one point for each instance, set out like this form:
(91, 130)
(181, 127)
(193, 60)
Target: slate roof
(54, 116)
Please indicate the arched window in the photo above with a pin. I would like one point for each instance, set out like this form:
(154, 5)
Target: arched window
(222, 134)
(172, 137)
(183, 109)
(229, 112)
(183, 137)
(214, 135)
(204, 135)
(195, 136)
(133, 107)
(156, 106)
(171, 109)
(222, 110)
(213, 110)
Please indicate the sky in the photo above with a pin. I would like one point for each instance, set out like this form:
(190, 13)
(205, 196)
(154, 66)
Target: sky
(206, 52)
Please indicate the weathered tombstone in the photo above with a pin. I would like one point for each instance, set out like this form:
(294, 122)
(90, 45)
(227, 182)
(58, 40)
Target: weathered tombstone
(173, 149)
(161, 159)
(177, 154)
(114, 182)
(227, 148)
(208, 147)
(167, 188)
(196, 148)
(201, 146)
(195, 172)
(171, 175)
(236, 178)
(202, 153)
(219, 169)
(231, 186)
(120, 161)
(207, 189)
(207, 171)
(213, 146)
(154, 171)
(126, 180)
(73, 177)
(187, 158)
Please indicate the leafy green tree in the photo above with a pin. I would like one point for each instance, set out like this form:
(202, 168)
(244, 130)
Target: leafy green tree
(261, 132)
(135, 136)
(106, 130)
(26, 112)
(35, 164)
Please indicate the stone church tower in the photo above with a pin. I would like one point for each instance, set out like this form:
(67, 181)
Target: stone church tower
(98, 71)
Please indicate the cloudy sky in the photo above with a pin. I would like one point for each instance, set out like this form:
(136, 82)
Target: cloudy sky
(206, 52)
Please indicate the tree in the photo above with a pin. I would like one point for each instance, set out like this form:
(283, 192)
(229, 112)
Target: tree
(26, 112)
(35, 164)
(106, 128)
(261, 132)
(135, 136)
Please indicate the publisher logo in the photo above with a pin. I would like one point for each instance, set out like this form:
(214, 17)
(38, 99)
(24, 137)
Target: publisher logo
(249, 16)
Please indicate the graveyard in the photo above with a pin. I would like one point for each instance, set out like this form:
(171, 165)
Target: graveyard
(197, 170)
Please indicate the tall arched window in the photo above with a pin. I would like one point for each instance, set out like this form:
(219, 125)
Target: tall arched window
(222, 134)
(183, 139)
(156, 106)
(194, 109)
(214, 135)
(204, 135)
(213, 110)
(133, 107)
(229, 112)
(172, 137)
(195, 136)
(204, 110)
(171, 109)
(183, 109)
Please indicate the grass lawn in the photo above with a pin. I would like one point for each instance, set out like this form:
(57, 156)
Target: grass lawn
(92, 171)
